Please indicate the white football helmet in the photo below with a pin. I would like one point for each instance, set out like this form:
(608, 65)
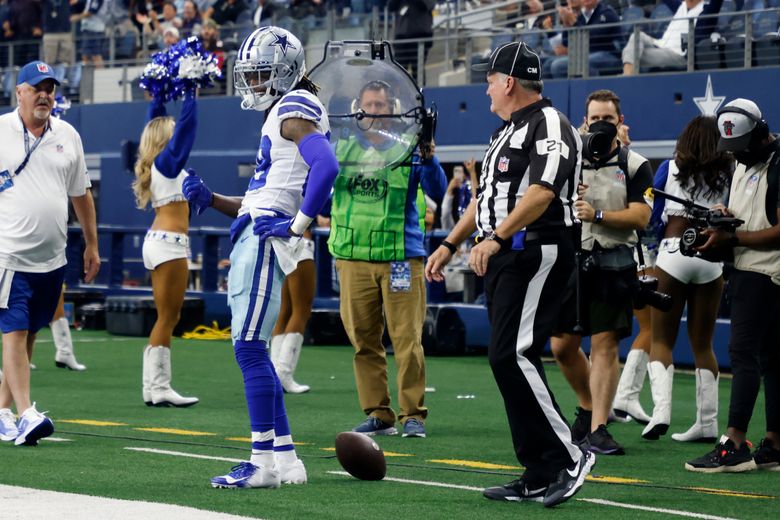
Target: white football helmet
(270, 63)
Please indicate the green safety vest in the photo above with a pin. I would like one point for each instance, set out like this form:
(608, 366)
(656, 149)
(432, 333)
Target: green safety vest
(369, 205)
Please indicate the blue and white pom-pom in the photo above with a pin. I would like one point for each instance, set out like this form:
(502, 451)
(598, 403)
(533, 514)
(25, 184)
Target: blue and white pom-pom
(179, 70)
(61, 105)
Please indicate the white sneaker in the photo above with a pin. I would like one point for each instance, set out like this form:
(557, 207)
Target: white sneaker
(293, 473)
(8, 429)
(33, 426)
(247, 475)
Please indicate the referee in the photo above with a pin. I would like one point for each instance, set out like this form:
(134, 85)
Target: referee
(525, 250)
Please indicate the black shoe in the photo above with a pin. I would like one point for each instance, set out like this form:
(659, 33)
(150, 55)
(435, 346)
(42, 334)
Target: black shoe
(581, 426)
(766, 456)
(517, 491)
(725, 458)
(601, 441)
(569, 480)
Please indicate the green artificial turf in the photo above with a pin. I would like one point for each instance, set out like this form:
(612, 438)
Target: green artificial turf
(474, 428)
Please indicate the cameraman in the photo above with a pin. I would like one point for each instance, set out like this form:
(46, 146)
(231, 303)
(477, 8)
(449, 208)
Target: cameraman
(754, 288)
(612, 208)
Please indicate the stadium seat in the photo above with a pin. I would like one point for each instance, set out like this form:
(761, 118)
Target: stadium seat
(630, 14)
(661, 11)
(766, 50)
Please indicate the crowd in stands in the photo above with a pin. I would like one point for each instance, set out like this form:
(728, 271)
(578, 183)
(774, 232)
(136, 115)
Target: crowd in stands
(70, 32)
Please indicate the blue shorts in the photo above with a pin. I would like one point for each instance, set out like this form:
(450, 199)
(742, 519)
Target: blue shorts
(32, 301)
(254, 288)
(93, 43)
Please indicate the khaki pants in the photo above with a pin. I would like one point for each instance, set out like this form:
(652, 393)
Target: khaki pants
(58, 48)
(365, 292)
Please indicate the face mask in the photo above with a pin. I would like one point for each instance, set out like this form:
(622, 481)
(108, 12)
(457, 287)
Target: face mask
(754, 154)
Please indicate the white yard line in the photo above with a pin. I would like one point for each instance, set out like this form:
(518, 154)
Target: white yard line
(676, 512)
(20, 503)
(182, 454)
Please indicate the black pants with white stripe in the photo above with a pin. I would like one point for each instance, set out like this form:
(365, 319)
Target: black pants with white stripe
(525, 291)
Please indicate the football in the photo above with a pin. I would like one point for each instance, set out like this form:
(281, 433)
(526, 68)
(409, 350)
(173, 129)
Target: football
(360, 456)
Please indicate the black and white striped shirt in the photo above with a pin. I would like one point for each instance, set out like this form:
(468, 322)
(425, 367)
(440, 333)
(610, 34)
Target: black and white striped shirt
(538, 145)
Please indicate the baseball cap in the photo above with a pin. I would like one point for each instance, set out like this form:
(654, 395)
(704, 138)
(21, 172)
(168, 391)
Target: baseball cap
(514, 59)
(171, 30)
(736, 126)
(35, 72)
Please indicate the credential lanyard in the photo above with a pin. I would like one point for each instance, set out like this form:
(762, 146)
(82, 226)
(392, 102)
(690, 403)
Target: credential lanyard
(29, 149)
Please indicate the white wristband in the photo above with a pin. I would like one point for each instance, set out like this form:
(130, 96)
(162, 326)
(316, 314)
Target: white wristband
(300, 223)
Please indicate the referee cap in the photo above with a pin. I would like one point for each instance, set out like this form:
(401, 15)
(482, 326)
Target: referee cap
(514, 59)
(35, 72)
(736, 122)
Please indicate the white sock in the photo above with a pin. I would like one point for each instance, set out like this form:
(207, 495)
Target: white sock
(285, 456)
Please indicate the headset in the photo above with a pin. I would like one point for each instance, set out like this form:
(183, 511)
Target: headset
(759, 132)
(377, 84)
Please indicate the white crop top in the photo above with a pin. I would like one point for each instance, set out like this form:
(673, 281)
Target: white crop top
(166, 190)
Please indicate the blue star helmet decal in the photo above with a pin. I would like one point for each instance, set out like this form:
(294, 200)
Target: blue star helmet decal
(283, 42)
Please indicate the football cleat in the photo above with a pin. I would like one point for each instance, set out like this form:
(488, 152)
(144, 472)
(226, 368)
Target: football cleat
(33, 426)
(247, 475)
(293, 473)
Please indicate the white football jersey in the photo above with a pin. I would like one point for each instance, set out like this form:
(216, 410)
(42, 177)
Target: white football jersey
(280, 175)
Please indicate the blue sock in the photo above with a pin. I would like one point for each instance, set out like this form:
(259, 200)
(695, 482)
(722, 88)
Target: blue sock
(260, 388)
(283, 444)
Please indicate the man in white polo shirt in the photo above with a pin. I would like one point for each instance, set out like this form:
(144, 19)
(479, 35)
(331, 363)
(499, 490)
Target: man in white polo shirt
(41, 165)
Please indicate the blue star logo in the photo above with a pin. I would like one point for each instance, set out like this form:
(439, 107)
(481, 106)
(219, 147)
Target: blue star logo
(283, 42)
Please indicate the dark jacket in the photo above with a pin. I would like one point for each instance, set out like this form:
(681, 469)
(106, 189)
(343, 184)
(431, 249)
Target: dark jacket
(414, 18)
(603, 38)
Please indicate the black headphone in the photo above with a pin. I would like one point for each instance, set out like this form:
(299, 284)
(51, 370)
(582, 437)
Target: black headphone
(377, 84)
(761, 130)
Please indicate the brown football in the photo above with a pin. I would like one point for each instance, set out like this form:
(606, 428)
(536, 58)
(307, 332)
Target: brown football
(360, 456)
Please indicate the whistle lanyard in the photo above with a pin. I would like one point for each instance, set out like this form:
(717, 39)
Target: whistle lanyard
(28, 149)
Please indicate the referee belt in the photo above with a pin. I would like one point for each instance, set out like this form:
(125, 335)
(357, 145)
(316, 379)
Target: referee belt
(524, 238)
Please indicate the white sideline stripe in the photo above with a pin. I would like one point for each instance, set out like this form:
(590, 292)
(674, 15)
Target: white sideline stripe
(654, 509)
(91, 340)
(20, 503)
(182, 454)
(423, 482)
(56, 439)
(598, 501)
(591, 500)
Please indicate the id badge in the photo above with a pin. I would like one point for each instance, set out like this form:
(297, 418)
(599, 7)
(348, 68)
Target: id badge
(400, 277)
(5, 180)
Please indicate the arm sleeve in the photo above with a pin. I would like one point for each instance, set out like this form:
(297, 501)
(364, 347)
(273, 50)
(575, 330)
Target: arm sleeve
(156, 109)
(432, 179)
(553, 153)
(640, 183)
(171, 160)
(323, 168)
(79, 176)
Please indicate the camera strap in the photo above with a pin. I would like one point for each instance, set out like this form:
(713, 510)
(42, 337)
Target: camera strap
(640, 256)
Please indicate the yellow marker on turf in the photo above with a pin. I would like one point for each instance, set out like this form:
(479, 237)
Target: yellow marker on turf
(89, 422)
(728, 493)
(615, 480)
(174, 431)
(473, 464)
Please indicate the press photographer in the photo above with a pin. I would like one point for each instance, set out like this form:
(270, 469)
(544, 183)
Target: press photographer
(612, 209)
(754, 288)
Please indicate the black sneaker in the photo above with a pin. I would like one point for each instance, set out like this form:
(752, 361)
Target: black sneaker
(569, 480)
(725, 458)
(601, 441)
(581, 426)
(517, 491)
(766, 456)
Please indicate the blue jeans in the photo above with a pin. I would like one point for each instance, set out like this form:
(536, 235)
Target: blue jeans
(600, 62)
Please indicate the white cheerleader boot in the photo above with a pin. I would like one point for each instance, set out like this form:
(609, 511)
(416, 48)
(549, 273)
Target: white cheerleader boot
(160, 372)
(288, 357)
(64, 356)
(661, 384)
(626, 403)
(705, 429)
(146, 377)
